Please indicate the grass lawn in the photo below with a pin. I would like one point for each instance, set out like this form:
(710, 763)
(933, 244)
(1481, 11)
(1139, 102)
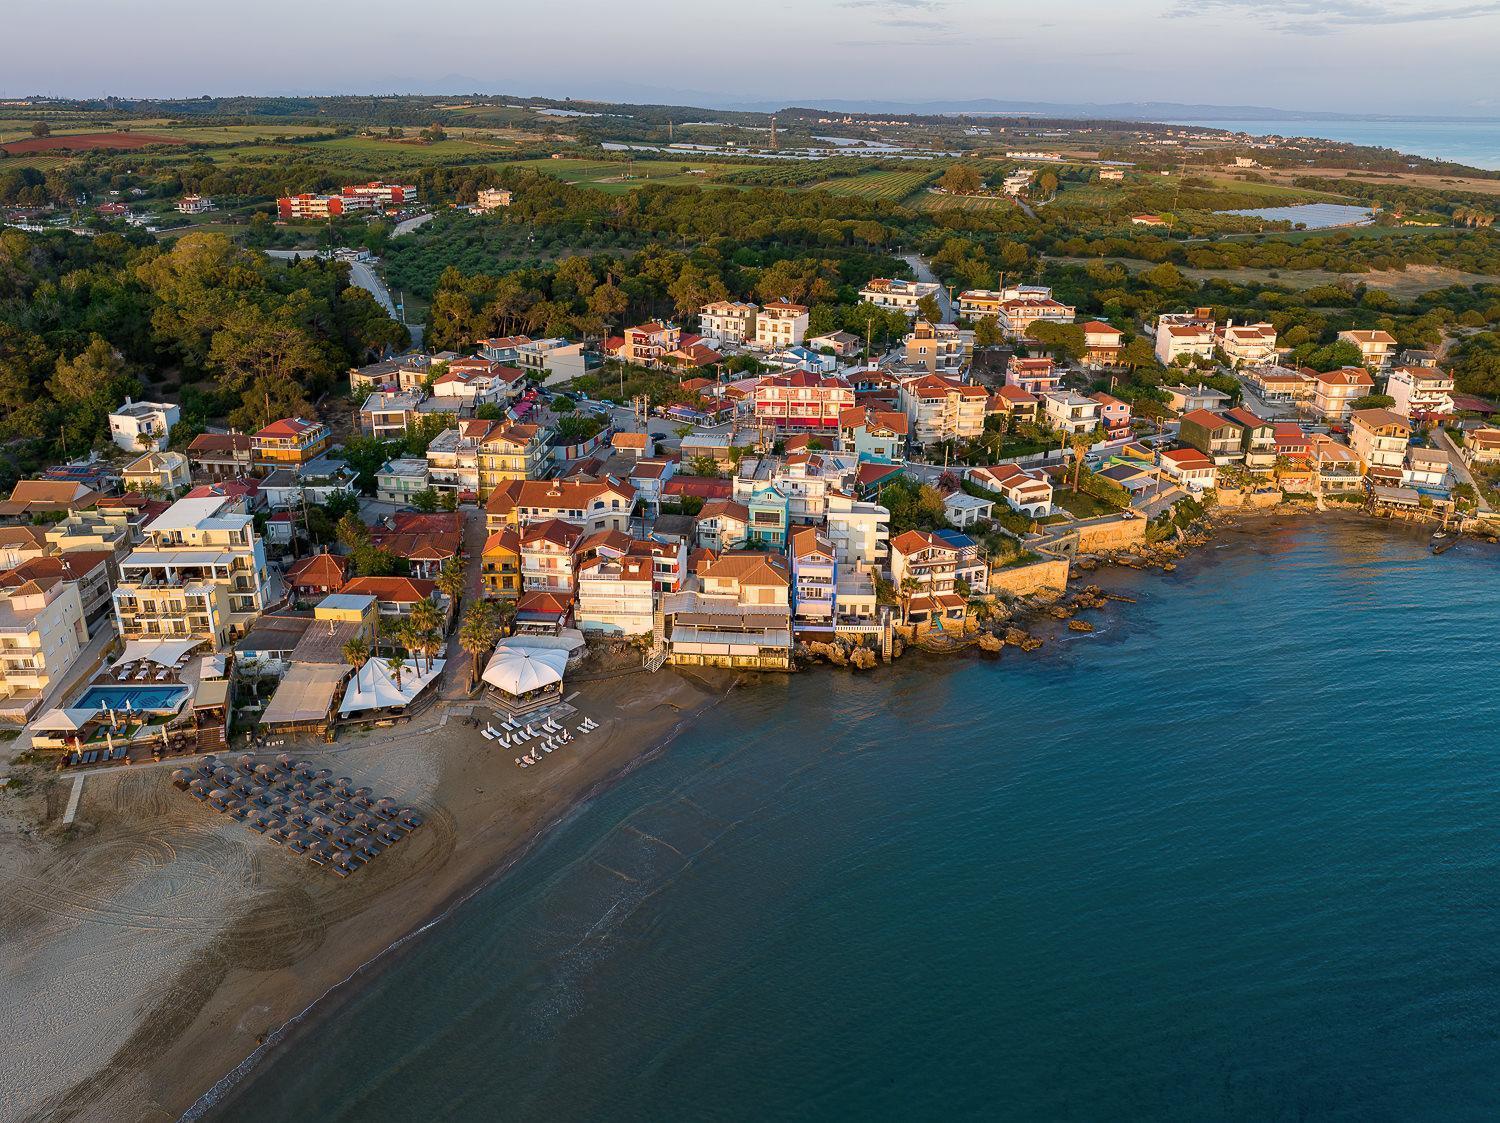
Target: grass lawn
(1081, 505)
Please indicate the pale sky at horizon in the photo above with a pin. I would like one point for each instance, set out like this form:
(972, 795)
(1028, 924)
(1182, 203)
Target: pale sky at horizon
(1372, 56)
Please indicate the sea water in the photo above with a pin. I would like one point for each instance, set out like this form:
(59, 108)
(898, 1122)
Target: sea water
(1236, 854)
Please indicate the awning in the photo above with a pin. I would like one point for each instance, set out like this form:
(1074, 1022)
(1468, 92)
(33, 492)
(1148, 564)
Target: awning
(163, 652)
(520, 670)
(63, 721)
(305, 694)
(374, 687)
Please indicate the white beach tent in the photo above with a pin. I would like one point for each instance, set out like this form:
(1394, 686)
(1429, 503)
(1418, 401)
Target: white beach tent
(162, 652)
(518, 671)
(374, 687)
(63, 721)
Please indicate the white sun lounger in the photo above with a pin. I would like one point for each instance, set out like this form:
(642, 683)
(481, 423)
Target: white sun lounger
(504, 739)
(486, 734)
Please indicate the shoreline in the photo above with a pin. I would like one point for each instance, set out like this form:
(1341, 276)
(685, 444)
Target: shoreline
(327, 1005)
(260, 1005)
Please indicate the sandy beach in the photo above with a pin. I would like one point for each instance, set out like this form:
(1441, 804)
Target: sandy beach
(154, 945)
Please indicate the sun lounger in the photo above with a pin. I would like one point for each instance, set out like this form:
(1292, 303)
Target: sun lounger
(504, 739)
(486, 734)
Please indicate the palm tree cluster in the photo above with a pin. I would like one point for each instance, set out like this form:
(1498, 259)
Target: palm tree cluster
(482, 626)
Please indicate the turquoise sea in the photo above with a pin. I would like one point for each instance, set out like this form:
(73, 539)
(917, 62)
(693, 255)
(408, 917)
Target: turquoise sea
(1471, 141)
(1236, 855)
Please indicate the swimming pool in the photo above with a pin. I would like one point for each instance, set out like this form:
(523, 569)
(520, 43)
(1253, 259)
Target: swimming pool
(143, 697)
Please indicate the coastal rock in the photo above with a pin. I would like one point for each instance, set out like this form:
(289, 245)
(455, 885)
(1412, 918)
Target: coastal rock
(1080, 626)
(991, 643)
(1060, 612)
(862, 659)
(1019, 637)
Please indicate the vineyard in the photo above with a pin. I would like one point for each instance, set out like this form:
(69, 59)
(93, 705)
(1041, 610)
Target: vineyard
(933, 201)
(890, 185)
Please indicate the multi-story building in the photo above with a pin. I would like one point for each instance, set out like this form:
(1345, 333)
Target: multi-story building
(1014, 403)
(646, 344)
(42, 631)
(1257, 439)
(1184, 398)
(194, 204)
(1034, 375)
(221, 456)
(858, 531)
(290, 443)
(902, 296)
(500, 565)
(1114, 415)
(938, 348)
(943, 409)
(386, 415)
(616, 595)
(379, 195)
(1216, 436)
(1421, 392)
(1185, 334)
(1018, 315)
(727, 322)
(1102, 344)
(1024, 491)
(815, 576)
(512, 452)
(1375, 347)
(1248, 344)
(780, 324)
(976, 304)
(1335, 391)
(588, 504)
(200, 573)
(309, 207)
(158, 473)
(1379, 438)
(801, 401)
(547, 556)
(491, 199)
(1482, 446)
(401, 480)
(1279, 384)
(924, 567)
(722, 525)
(1071, 413)
(1189, 469)
(143, 426)
(739, 615)
(867, 433)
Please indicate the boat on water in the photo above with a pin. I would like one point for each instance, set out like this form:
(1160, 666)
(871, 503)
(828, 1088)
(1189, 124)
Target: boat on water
(1443, 541)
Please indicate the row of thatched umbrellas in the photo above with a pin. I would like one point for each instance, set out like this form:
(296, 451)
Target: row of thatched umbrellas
(300, 806)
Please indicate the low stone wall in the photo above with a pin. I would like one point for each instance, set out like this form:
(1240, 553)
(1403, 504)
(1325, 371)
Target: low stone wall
(1251, 500)
(1111, 534)
(1031, 580)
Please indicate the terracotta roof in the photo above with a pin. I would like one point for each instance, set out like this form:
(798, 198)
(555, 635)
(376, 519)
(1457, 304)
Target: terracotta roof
(911, 541)
(220, 442)
(701, 487)
(750, 568)
(539, 603)
(553, 494)
(554, 532)
(1187, 458)
(1346, 376)
(402, 590)
(725, 508)
(1206, 418)
(320, 571)
(1380, 419)
(288, 427)
(503, 541)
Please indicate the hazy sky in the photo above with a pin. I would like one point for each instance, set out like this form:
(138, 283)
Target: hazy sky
(1388, 56)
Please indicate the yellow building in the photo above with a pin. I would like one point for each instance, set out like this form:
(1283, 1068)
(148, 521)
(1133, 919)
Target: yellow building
(290, 443)
(515, 452)
(500, 565)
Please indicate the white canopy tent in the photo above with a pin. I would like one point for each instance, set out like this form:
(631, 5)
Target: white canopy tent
(63, 721)
(163, 652)
(373, 686)
(517, 671)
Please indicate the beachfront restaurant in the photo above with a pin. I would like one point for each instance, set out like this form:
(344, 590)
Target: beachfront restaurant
(526, 678)
(377, 692)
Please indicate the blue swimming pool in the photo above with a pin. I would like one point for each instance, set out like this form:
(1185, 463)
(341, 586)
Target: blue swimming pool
(142, 697)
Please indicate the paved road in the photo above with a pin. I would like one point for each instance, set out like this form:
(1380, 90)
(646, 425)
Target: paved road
(455, 678)
(924, 272)
(1444, 442)
(406, 226)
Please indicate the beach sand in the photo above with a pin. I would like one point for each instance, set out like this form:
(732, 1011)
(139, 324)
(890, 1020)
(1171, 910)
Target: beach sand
(152, 947)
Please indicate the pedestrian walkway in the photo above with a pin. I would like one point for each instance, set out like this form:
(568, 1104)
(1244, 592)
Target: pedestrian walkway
(73, 799)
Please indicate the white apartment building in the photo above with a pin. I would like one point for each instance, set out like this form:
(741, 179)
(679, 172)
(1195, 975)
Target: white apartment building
(1379, 438)
(1375, 347)
(858, 531)
(491, 198)
(200, 573)
(42, 631)
(780, 324)
(1068, 412)
(1185, 333)
(615, 595)
(1248, 344)
(1421, 391)
(883, 292)
(727, 321)
(143, 426)
(941, 409)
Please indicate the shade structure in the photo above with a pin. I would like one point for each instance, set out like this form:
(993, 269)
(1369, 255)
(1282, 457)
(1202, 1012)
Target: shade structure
(163, 652)
(374, 686)
(63, 721)
(519, 670)
(305, 696)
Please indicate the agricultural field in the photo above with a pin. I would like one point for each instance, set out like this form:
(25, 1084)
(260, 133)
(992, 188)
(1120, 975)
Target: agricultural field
(618, 176)
(84, 142)
(933, 201)
(893, 186)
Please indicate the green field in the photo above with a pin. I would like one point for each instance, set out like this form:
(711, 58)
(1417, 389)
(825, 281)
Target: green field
(618, 176)
(935, 202)
(893, 186)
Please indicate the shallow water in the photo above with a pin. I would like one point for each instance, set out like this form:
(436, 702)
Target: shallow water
(1314, 216)
(1234, 854)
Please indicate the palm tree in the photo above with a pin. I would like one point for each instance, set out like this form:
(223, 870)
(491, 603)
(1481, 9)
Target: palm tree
(477, 634)
(396, 662)
(909, 585)
(356, 652)
(411, 638)
(450, 582)
(427, 624)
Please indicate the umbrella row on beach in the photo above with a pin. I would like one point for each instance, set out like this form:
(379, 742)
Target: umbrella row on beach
(302, 807)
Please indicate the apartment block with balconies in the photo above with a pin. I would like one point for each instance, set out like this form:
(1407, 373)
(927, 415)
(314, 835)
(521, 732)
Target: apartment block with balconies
(200, 573)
